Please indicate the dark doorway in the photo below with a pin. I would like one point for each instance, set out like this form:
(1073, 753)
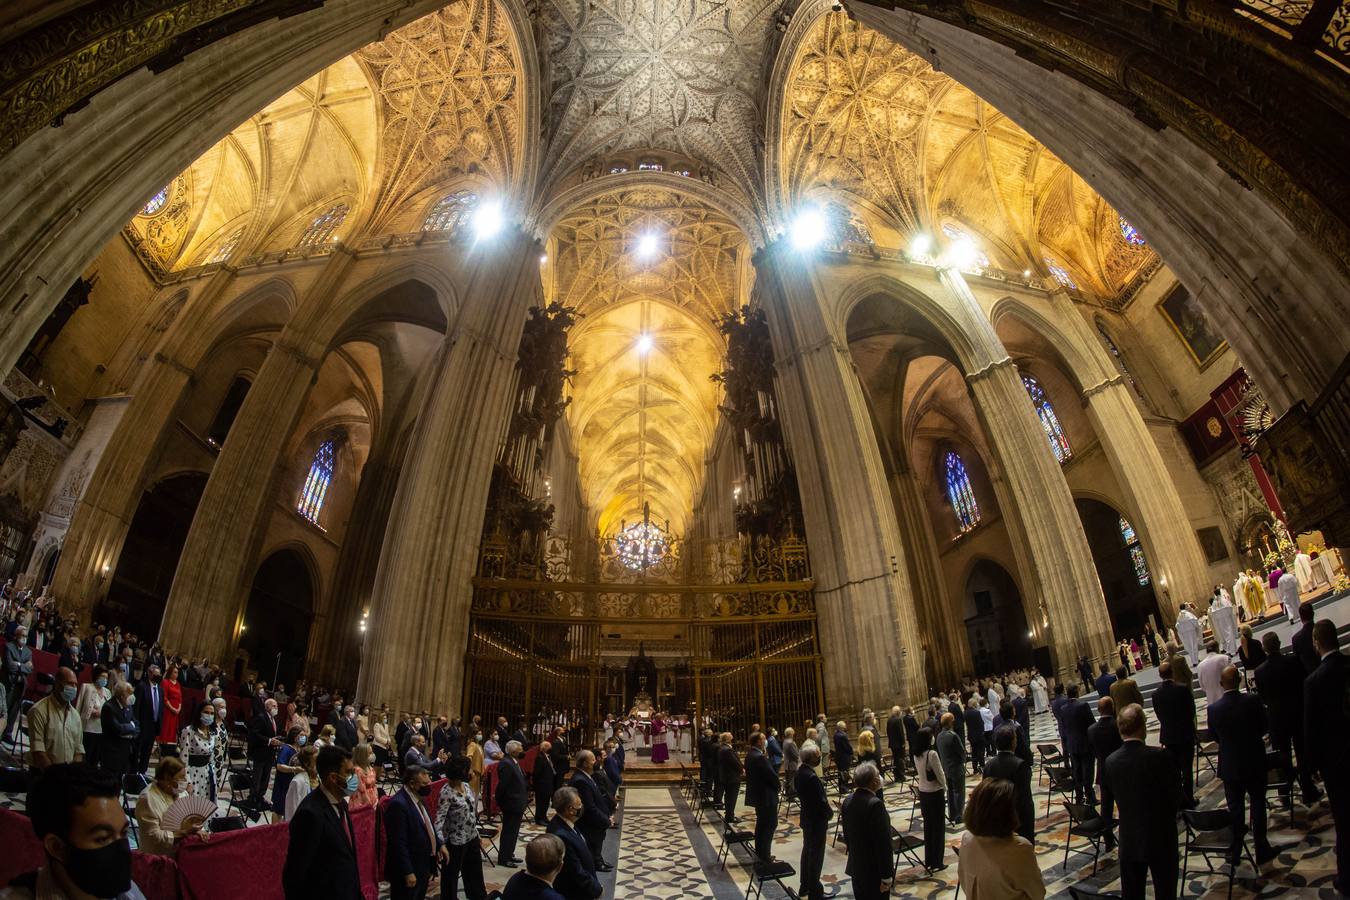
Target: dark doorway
(996, 624)
(145, 569)
(1121, 568)
(276, 623)
(229, 409)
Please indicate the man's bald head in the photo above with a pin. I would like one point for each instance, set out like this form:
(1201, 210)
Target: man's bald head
(1229, 679)
(1131, 723)
(1106, 707)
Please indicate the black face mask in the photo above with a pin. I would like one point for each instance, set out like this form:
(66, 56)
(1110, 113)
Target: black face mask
(105, 872)
(425, 790)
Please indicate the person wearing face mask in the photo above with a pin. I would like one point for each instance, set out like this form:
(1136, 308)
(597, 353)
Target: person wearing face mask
(18, 666)
(263, 743)
(414, 847)
(121, 732)
(77, 815)
(474, 752)
(321, 854)
(90, 700)
(150, 712)
(222, 729)
(54, 724)
(197, 745)
(379, 741)
(306, 780)
(577, 880)
(288, 766)
(151, 836)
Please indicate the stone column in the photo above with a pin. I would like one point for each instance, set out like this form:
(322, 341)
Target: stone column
(210, 588)
(864, 600)
(99, 525)
(419, 620)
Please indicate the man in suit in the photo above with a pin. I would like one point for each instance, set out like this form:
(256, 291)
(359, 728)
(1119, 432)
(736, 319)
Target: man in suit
(1005, 763)
(895, 737)
(761, 792)
(18, 666)
(413, 846)
(1085, 673)
(911, 726)
(543, 863)
(707, 764)
(543, 776)
(1238, 721)
(975, 731)
(1279, 684)
(346, 736)
(1327, 733)
(843, 754)
(1304, 648)
(577, 880)
(263, 740)
(454, 738)
(1077, 718)
(1105, 739)
(951, 751)
(1104, 682)
(1174, 705)
(440, 737)
(1057, 703)
(729, 772)
(867, 832)
(1124, 690)
(815, 822)
(1147, 789)
(417, 756)
(512, 796)
(149, 710)
(321, 855)
(597, 816)
(958, 716)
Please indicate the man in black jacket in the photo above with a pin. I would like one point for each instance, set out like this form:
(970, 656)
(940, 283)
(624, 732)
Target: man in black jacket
(1174, 705)
(1104, 681)
(577, 880)
(1147, 789)
(454, 738)
(895, 736)
(596, 816)
(707, 761)
(1005, 763)
(815, 822)
(263, 741)
(346, 735)
(843, 754)
(1105, 739)
(951, 751)
(867, 832)
(975, 731)
(543, 777)
(1076, 717)
(513, 795)
(1303, 639)
(1238, 721)
(1085, 673)
(321, 855)
(149, 711)
(761, 792)
(1327, 734)
(1279, 683)
(413, 847)
(729, 772)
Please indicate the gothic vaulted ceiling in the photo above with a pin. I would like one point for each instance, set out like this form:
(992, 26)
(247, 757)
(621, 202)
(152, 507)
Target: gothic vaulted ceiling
(645, 262)
(865, 118)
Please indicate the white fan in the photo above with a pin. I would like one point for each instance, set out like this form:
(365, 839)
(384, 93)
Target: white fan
(192, 809)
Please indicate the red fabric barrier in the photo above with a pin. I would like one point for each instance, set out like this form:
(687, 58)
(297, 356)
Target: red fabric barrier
(364, 823)
(489, 791)
(156, 876)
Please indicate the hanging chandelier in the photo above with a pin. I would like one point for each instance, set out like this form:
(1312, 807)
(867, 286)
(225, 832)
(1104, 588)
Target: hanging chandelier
(642, 544)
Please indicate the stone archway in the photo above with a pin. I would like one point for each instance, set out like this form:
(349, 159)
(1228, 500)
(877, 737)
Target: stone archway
(1130, 594)
(280, 609)
(996, 623)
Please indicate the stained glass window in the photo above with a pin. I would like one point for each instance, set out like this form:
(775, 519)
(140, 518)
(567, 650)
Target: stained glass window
(324, 226)
(642, 545)
(1119, 357)
(1059, 273)
(957, 235)
(1130, 233)
(617, 170)
(1136, 552)
(1049, 421)
(683, 173)
(651, 167)
(316, 483)
(226, 248)
(960, 492)
(451, 211)
(156, 202)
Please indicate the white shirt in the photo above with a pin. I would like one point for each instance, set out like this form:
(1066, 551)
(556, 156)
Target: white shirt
(1208, 671)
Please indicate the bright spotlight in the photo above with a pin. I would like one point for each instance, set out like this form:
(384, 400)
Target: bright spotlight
(647, 246)
(809, 229)
(488, 220)
(1026, 273)
(920, 246)
(543, 258)
(962, 254)
(644, 344)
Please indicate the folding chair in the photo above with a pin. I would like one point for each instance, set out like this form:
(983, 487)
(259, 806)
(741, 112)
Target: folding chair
(1209, 832)
(775, 871)
(838, 820)
(907, 846)
(1280, 779)
(133, 785)
(1209, 755)
(1048, 755)
(732, 838)
(1062, 783)
(488, 833)
(1084, 822)
(241, 796)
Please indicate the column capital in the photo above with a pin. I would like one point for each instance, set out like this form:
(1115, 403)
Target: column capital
(292, 350)
(1100, 387)
(996, 365)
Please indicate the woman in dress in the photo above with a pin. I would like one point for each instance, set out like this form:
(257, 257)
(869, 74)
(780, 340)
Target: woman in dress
(366, 777)
(287, 767)
(474, 752)
(660, 752)
(306, 779)
(89, 703)
(457, 824)
(197, 747)
(379, 741)
(173, 705)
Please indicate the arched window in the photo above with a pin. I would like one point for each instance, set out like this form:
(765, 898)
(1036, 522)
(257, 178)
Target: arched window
(1059, 273)
(960, 492)
(226, 248)
(451, 211)
(156, 202)
(1049, 421)
(1115, 352)
(1136, 552)
(958, 235)
(1131, 234)
(317, 482)
(650, 167)
(324, 226)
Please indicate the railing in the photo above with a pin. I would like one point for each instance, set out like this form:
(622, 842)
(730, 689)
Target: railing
(1323, 26)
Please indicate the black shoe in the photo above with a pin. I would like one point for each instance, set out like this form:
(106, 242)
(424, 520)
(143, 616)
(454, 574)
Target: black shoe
(604, 867)
(508, 863)
(1268, 854)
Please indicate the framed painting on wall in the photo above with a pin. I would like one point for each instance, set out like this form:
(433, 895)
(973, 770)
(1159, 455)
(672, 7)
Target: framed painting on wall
(1189, 321)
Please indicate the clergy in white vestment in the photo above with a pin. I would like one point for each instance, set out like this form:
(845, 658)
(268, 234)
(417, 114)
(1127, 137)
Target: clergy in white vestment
(1303, 571)
(1039, 694)
(1223, 619)
(1287, 588)
(1188, 630)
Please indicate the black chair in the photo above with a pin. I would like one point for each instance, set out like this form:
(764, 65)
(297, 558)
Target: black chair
(1280, 779)
(907, 846)
(1206, 751)
(730, 838)
(1061, 782)
(838, 821)
(488, 833)
(1209, 832)
(1084, 822)
(241, 797)
(1048, 755)
(774, 871)
(133, 785)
